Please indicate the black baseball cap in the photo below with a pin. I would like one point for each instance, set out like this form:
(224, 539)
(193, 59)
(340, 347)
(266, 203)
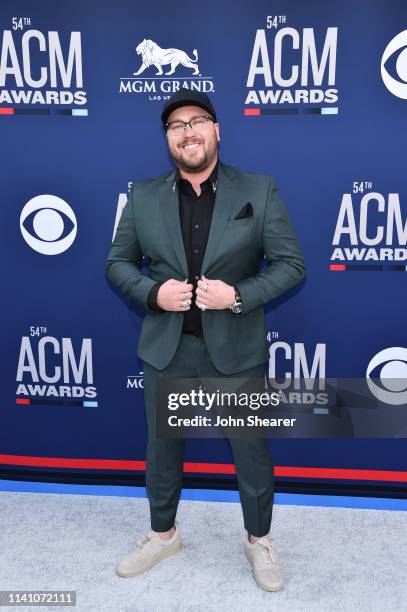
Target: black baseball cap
(187, 97)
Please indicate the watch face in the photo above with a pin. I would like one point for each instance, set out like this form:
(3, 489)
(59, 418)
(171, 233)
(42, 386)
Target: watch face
(236, 308)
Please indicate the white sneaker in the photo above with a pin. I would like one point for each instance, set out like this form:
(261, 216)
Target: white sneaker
(150, 549)
(267, 569)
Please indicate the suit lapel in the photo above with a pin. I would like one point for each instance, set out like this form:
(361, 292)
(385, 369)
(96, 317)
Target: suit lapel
(170, 210)
(226, 192)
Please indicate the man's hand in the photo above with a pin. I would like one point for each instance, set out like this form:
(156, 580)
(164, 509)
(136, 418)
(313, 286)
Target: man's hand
(219, 295)
(172, 293)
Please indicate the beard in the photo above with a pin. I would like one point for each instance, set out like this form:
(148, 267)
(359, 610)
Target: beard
(195, 160)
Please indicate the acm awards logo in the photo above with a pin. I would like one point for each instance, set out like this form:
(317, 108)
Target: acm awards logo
(40, 67)
(394, 66)
(150, 78)
(292, 66)
(371, 228)
(48, 224)
(50, 367)
(298, 371)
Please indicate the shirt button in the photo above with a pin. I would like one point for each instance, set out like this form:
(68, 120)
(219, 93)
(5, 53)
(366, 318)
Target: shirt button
(196, 250)
(196, 226)
(196, 277)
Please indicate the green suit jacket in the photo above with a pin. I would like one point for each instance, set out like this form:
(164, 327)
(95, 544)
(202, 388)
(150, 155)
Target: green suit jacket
(150, 226)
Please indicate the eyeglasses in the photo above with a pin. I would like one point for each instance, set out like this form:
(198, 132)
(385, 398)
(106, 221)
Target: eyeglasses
(178, 127)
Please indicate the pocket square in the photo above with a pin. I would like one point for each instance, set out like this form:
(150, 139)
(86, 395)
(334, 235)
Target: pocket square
(245, 212)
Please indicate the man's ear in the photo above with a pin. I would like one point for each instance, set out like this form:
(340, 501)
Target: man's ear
(217, 131)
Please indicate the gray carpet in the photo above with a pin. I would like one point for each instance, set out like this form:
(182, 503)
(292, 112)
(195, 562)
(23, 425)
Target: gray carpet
(335, 559)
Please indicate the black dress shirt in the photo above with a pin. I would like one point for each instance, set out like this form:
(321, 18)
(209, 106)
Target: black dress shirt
(195, 213)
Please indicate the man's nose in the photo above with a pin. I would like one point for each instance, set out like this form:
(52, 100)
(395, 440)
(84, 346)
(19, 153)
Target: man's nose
(189, 136)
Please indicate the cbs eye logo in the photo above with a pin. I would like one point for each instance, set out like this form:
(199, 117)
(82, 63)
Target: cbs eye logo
(48, 224)
(391, 366)
(397, 87)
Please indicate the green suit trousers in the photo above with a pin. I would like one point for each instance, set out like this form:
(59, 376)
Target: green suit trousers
(254, 466)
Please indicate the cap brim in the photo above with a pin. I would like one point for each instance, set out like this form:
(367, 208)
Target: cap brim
(171, 108)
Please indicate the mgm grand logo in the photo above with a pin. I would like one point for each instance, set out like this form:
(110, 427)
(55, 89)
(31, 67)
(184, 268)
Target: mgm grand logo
(162, 84)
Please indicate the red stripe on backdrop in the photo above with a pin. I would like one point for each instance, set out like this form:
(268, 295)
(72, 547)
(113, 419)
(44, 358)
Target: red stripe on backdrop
(7, 111)
(337, 267)
(204, 468)
(252, 111)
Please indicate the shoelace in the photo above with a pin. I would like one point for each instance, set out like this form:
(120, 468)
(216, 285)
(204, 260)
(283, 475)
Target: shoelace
(268, 546)
(144, 540)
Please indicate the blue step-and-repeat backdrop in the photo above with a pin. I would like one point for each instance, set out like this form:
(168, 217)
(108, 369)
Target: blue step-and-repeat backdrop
(314, 94)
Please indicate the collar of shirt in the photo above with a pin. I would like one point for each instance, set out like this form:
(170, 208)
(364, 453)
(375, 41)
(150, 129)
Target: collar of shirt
(211, 178)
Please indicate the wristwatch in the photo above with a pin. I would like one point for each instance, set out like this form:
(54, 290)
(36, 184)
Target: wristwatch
(237, 307)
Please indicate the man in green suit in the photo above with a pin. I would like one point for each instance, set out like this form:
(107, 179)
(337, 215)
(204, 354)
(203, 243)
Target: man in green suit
(204, 229)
